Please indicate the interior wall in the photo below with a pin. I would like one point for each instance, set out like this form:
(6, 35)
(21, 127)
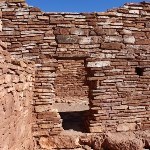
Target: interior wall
(71, 83)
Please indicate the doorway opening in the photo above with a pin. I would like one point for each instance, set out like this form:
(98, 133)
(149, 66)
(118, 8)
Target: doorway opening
(71, 89)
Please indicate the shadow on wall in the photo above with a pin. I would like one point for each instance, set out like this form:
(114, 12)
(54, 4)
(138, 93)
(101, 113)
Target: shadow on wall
(74, 120)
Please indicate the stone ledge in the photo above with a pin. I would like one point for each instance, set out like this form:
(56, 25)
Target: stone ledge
(98, 64)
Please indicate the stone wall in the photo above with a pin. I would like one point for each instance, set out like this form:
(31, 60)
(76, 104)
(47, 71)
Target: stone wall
(16, 93)
(119, 96)
(115, 48)
(71, 84)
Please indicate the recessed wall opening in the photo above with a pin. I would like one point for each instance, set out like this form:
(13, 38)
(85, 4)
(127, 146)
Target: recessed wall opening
(139, 71)
(71, 89)
(74, 120)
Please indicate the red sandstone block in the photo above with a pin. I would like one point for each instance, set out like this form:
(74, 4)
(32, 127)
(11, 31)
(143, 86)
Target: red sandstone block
(143, 42)
(63, 31)
(96, 78)
(126, 127)
(43, 17)
(48, 115)
(34, 9)
(41, 132)
(4, 46)
(118, 63)
(67, 39)
(96, 129)
(139, 34)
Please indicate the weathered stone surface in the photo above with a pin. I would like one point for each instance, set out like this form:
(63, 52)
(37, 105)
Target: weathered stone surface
(148, 25)
(100, 60)
(42, 108)
(122, 141)
(7, 78)
(96, 129)
(77, 31)
(85, 40)
(16, 93)
(116, 45)
(59, 142)
(3, 45)
(94, 141)
(99, 31)
(113, 39)
(15, 103)
(129, 39)
(120, 107)
(126, 127)
(98, 64)
(43, 17)
(70, 39)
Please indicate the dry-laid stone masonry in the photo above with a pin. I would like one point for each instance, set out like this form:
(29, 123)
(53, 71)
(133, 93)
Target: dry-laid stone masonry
(98, 63)
(16, 94)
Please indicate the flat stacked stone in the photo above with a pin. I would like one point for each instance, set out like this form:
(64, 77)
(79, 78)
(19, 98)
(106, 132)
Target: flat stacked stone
(115, 48)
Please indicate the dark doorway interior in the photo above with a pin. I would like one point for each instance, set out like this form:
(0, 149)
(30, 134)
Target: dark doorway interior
(74, 120)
